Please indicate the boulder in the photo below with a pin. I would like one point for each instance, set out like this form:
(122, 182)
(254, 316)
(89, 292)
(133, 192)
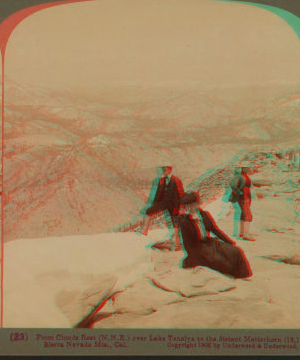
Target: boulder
(57, 282)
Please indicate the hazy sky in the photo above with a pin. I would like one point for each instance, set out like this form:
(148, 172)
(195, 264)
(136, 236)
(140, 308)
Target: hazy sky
(88, 45)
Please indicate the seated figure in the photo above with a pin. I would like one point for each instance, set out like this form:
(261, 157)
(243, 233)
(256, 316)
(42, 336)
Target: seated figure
(220, 254)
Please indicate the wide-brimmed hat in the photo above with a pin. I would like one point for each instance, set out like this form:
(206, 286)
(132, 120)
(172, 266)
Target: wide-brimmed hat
(165, 167)
(189, 198)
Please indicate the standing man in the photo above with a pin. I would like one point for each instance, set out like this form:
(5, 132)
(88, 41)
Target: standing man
(168, 191)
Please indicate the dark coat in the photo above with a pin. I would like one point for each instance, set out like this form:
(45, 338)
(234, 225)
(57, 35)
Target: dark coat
(224, 256)
(237, 185)
(173, 196)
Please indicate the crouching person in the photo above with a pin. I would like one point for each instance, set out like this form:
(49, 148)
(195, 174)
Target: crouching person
(167, 191)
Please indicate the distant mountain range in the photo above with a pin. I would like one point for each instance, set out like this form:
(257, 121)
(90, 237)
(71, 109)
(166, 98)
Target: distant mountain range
(74, 165)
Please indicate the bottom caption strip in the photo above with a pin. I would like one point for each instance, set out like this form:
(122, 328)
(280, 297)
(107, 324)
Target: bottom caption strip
(170, 341)
(145, 342)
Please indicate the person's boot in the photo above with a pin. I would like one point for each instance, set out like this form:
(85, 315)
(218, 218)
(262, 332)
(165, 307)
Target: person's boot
(247, 236)
(146, 226)
(177, 239)
(242, 229)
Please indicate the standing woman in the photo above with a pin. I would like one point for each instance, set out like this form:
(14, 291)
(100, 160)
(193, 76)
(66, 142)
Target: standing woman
(241, 200)
(245, 203)
(237, 185)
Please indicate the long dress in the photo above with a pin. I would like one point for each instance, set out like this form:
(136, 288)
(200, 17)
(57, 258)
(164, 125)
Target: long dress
(208, 251)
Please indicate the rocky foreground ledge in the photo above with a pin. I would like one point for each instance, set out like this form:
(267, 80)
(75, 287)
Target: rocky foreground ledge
(170, 297)
(119, 281)
(59, 282)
